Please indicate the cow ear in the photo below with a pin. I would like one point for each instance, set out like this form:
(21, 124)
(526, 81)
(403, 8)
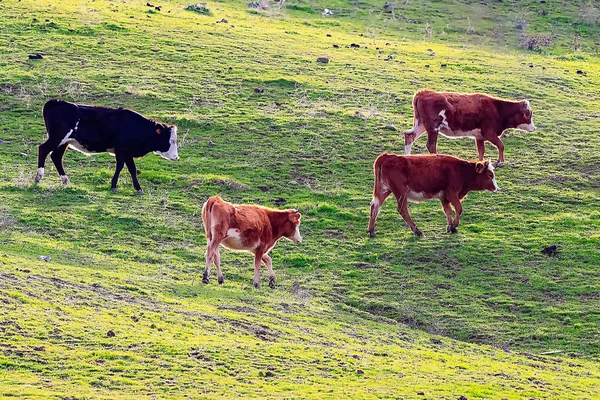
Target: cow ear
(295, 217)
(479, 166)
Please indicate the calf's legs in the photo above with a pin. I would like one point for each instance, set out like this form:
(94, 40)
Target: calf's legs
(403, 211)
(458, 211)
(212, 254)
(133, 172)
(57, 158)
(118, 168)
(448, 212)
(376, 204)
(43, 150)
(269, 263)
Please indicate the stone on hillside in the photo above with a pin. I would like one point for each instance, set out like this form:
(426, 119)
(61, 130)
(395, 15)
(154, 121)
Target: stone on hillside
(323, 60)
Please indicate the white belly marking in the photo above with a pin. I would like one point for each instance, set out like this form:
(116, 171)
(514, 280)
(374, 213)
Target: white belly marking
(418, 197)
(75, 145)
(233, 241)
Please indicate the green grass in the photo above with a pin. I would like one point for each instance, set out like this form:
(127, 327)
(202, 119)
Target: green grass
(481, 314)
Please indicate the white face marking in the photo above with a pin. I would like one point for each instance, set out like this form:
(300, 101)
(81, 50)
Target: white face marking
(491, 169)
(527, 127)
(297, 237)
(171, 154)
(407, 149)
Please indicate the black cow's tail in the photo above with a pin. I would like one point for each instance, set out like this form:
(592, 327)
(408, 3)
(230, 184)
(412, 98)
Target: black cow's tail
(60, 111)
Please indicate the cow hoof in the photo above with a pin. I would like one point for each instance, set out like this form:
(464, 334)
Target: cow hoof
(139, 192)
(452, 229)
(220, 280)
(272, 282)
(499, 164)
(418, 232)
(372, 233)
(65, 180)
(38, 178)
(256, 285)
(205, 278)
(114, 190)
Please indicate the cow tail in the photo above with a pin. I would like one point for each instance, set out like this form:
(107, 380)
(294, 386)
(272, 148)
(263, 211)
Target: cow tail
(207, 217)
(415, 101)
(377, 174)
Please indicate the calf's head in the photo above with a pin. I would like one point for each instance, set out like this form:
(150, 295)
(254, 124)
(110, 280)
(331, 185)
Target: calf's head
(523, 118)
(167, 142)
(485, 178)
(291, 227)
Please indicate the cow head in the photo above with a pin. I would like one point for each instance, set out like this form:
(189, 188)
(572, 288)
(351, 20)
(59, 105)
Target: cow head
(523, 119)
(486, 178)
(167, 142)
(291, 227)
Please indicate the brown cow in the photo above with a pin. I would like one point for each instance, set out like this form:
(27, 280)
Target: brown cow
(457, 115)
(246, 228)
(424, 177)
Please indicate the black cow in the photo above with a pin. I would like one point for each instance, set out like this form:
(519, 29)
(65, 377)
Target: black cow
(121, 132)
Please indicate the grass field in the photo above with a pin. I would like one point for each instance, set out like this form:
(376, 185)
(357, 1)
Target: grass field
(120, 310)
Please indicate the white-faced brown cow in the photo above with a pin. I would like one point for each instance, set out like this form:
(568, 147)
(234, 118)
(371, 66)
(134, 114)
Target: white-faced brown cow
(456, 115)
(249, 228)
(424, 177)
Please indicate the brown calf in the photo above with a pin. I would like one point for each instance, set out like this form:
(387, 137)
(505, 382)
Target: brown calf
(457, 115)
(424, 177)
(246, 228)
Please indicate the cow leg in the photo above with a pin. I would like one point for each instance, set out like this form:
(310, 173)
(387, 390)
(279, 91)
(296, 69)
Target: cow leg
(132, 171)
(480, 148)
(376, 204)
(432, 138)
(496, 141)
(269, 263)
(458, 211)
(119, 167)
(217, 261)
(448, 212)
(57, 158)
(257, 260)
(43, 151)
(211, 249)
(411, 136)
(403, 211)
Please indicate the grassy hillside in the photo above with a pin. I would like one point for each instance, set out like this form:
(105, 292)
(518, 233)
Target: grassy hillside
(481, 314)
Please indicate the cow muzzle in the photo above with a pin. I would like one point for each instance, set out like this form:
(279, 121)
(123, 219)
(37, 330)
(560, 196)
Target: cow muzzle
(527, 127)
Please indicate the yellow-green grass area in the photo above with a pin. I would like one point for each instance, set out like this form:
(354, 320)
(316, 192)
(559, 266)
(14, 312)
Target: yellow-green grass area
(480, 314)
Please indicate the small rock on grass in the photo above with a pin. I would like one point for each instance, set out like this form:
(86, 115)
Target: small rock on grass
(391, 127)
(550, 250)
(360, 372)
(44, 258)
(323, 60)
(36, 56)
(110, 333)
